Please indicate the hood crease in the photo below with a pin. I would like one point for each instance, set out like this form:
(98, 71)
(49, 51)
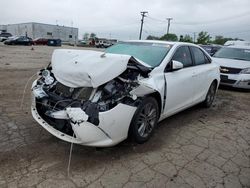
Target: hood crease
(86, 68)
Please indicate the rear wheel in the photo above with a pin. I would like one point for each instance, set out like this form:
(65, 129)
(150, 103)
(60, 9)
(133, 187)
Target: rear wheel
(210, 95)
(144, 120)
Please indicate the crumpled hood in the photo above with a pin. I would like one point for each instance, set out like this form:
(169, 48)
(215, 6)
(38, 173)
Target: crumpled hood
(233, 63)
(87, 68)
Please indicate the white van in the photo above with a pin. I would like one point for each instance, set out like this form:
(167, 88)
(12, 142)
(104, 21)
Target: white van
(237, 43)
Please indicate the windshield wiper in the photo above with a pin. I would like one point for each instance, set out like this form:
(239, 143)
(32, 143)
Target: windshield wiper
(239, 59)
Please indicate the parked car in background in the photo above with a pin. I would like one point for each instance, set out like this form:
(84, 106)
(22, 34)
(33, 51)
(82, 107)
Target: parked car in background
(40, 41)
(234, 64)
(22, 40)
(4, 36)
(102, 44)
(211, 49)
(54, 42)
(98, 98)
(237, 43)
(83, 42)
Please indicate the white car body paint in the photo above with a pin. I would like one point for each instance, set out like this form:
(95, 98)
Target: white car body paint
(232, 63)
(238, 80)
(237, 43)
(106, 134)
(82, 68)
(184, 88)
(111, 130)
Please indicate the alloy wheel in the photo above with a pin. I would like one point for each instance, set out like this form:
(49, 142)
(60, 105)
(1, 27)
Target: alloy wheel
(147, 120)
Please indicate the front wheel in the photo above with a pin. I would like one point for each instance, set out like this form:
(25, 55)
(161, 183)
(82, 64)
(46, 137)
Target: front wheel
(210, 95)
(144, 121)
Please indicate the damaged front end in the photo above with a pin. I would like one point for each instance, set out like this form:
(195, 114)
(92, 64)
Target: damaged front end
(93, 116)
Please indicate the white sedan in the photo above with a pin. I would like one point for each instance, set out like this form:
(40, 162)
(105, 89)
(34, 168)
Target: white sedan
(234, 64)
(100, 98)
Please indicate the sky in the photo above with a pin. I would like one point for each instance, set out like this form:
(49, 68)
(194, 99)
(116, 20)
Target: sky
(121, 19)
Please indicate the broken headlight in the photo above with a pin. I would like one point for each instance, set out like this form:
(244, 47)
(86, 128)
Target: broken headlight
(48, 79)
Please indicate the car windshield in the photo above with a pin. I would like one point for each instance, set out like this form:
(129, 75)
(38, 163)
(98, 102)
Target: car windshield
(233, 53)
(13, 38)
(150, 53)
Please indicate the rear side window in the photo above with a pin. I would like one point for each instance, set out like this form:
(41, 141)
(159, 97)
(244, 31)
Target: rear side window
(199, 57)
(183, 55)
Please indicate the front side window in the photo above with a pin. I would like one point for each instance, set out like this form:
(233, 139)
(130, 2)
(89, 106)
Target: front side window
(183, 55)
(199, 57)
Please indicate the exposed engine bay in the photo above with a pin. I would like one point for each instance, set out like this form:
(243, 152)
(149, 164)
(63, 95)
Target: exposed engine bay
(55, 101)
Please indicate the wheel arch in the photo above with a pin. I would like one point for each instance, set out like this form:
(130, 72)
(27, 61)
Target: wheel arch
(216, 82)
(156, 95)
(217, 85)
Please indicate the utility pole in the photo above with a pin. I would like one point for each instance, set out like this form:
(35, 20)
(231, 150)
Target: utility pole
(194, 36)
(168, 19)
(57, 28)
(73, 38)
(142, 21)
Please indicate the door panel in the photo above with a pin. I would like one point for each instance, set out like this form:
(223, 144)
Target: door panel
(201, 82)
(201, 72)
(180, 86)
(180, 90)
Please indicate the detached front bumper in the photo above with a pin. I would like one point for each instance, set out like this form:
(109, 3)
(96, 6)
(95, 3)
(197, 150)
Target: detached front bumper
(112, 129)
(236, 80)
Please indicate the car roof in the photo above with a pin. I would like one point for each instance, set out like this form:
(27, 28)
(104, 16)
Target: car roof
(210, 45)
(238, 46)
(161, 42)
(5, 33)
(237, 43)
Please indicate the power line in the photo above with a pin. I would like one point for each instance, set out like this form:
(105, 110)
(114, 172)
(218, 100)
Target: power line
(112, 26)
(214, 21)
(152, 31)
(143, 14)
(203, 22)
(155, 19)
(230, 32)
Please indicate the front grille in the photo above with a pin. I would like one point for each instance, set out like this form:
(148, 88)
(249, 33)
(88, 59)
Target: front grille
(230, 70)
(62, 125)
(224, 79)
(63, 90)
(81, 93)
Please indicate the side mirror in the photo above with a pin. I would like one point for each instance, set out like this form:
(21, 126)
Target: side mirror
(176, 65)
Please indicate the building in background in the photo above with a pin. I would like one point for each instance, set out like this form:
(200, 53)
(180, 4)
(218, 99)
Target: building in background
(36, 30)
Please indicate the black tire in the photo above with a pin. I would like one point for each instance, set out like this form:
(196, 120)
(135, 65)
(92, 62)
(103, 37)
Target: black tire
(144, 121)
(210, 95)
